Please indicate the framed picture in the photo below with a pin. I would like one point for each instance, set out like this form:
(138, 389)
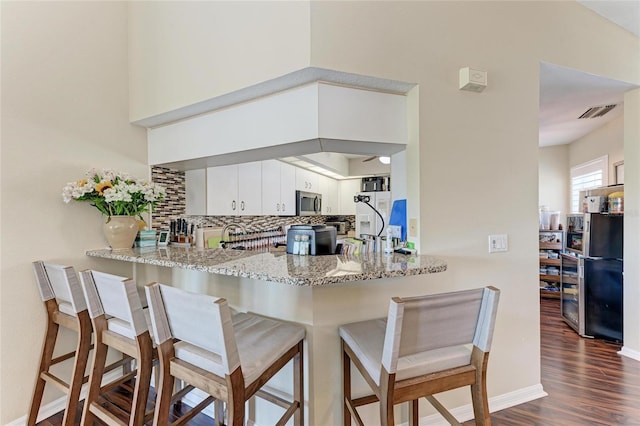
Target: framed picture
(163, 239)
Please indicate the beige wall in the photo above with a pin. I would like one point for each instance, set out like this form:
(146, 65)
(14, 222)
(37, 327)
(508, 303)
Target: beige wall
(476, 158)
(553, 179)
(478, 153)
(186, 52)
(605, 140)
(631, 295)
(64, 111)
(474, 167)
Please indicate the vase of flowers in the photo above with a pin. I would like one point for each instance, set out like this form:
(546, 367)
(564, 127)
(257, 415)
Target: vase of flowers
(120, 197)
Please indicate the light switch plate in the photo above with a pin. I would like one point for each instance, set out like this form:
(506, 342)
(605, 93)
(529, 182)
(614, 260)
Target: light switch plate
(413, 227)
(498, 243)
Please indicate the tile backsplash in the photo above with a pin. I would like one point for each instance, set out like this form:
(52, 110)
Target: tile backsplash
(174, 206)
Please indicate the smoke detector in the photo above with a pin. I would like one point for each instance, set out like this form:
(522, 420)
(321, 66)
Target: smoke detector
(597, 111)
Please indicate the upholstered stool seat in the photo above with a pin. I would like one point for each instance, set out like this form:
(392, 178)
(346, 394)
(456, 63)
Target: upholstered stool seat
(426, 345)
(367, 340)
(230, 357)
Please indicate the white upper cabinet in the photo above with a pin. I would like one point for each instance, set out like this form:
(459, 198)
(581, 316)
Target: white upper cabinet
(306, 180)
(328, 187)
(235, 189)
(347, 189)
(278, 188)
(195, 183)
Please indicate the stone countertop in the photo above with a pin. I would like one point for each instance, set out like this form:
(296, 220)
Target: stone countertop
(279, 266)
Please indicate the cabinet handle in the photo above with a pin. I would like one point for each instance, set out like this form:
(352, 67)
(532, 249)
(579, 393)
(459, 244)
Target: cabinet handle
(283, 207)
(242, 205)
(233, 205)
(277, 207)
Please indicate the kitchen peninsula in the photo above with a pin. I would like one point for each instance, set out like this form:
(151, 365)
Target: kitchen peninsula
(319, 292)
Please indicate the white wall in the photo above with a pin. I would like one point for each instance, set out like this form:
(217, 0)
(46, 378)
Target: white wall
(605, 140)
(185, 52)
(631, 297)
(473, 169)
(554, 179)
(64, 111)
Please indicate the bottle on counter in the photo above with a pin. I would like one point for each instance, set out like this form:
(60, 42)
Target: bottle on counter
(296, 245)
(304, 245)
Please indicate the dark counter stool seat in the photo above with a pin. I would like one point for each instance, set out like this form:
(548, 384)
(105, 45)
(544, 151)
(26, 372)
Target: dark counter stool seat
(426, 345)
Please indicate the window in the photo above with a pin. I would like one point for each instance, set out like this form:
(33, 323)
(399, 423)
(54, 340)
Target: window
(591, 174)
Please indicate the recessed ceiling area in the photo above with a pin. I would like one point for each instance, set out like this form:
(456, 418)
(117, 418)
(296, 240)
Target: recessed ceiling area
(566, 94)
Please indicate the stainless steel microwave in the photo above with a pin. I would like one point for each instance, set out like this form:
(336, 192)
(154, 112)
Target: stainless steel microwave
(308, 203)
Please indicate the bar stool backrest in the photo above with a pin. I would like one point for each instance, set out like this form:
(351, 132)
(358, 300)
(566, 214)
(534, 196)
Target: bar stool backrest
(60, 282)
(420, 324)
(201, 320)
(116, 297)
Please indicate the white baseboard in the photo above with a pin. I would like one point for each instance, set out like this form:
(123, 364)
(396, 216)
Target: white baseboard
(60, 404)
(630, 353)
(496, 403)
(463, 413)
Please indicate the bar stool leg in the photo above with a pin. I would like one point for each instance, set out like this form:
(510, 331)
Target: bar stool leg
(413, 412)
(346, 387)
(79, 366)
(298, 385)
(166, 385)
(141, 389)
(97, 371)
(51, 336)
(235, 404)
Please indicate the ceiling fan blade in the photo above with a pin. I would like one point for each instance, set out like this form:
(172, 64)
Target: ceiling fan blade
(370, 158)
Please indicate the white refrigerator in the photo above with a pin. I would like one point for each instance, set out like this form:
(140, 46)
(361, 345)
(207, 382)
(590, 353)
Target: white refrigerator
(367, 220)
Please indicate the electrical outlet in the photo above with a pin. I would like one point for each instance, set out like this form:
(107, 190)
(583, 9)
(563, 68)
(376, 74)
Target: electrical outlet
(413, 227)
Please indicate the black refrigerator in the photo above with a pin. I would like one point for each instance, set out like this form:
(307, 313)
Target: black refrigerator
(591, 287)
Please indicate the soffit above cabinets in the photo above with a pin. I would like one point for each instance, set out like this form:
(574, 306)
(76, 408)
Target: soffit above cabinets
(314, 118)
(292, 80)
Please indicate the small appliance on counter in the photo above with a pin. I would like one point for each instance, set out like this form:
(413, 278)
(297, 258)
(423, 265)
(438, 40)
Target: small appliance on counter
(342, 227)
(322, 238)
(376, 183)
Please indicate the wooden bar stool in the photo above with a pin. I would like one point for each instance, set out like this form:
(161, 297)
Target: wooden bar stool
(63, 298)
(228, 357)
(119, 322)
(420, 349)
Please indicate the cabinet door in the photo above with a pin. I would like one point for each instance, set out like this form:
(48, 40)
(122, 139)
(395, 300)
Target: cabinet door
(250, 188)
(331, 197)
(328, 187)
(195, 183)
(271, 183)
(347, 190)
(222, 190)
(287, 189)
(306, 180)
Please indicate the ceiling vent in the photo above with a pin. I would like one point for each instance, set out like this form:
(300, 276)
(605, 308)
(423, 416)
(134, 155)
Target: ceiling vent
(595, 112)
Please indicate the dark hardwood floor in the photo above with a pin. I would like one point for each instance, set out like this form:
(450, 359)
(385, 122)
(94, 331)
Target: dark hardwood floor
(587, 381)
